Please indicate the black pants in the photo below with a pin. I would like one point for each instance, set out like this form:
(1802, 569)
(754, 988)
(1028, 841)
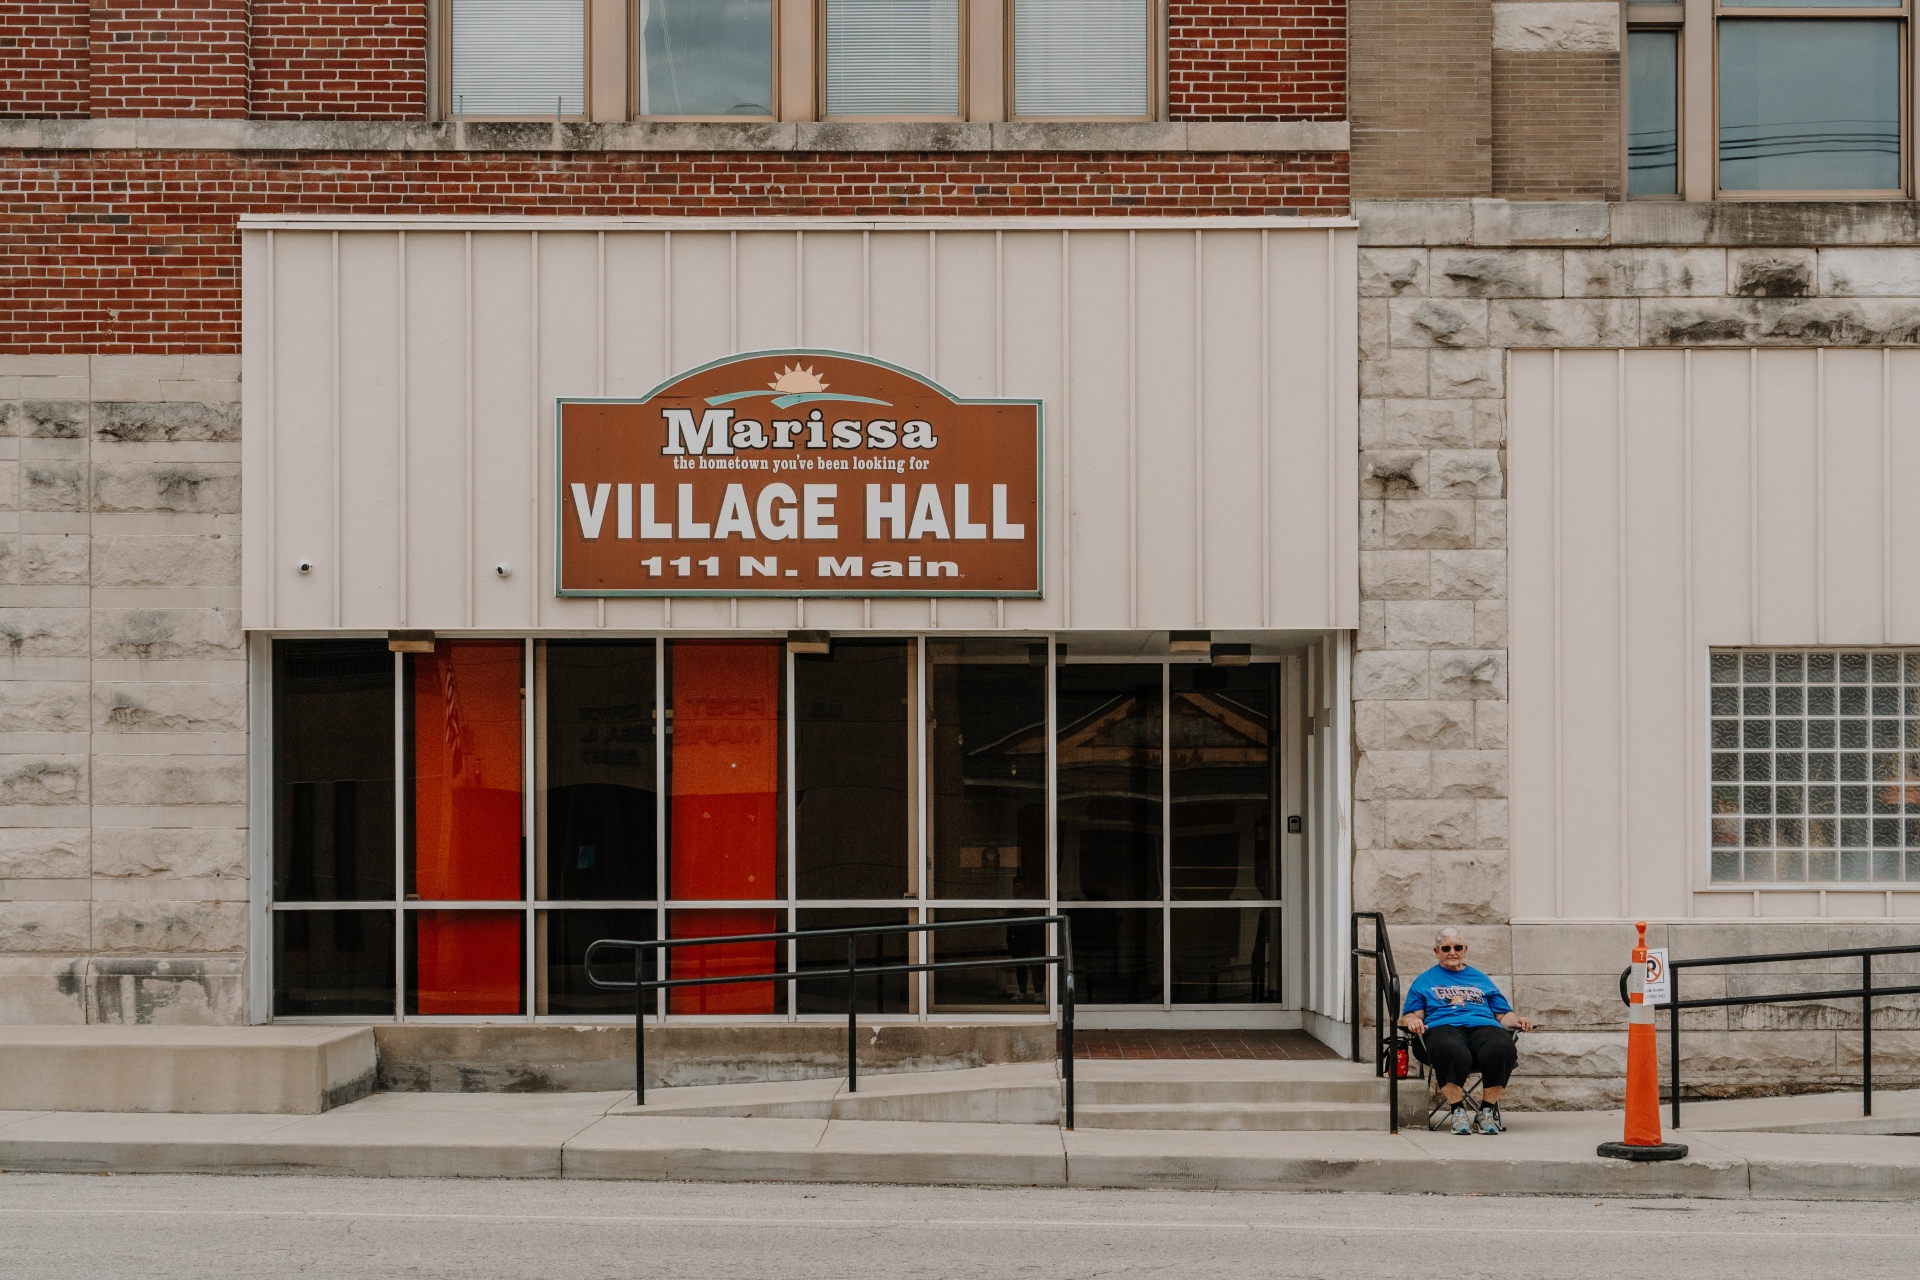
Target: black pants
(1455, 1053)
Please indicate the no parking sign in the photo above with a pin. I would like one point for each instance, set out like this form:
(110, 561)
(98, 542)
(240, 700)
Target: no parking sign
(1659, 989)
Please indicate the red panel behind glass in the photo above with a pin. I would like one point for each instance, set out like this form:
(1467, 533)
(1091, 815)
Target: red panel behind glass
(467, 771)
(725, 836)
(467, 961)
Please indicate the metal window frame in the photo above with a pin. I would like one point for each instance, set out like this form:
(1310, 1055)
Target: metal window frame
(1655, 18)
(1156, 53)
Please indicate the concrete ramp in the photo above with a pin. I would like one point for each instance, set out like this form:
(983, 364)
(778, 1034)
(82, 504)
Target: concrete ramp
(289, 1070)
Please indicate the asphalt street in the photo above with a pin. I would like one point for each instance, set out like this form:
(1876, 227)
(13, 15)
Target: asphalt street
(160, 1226)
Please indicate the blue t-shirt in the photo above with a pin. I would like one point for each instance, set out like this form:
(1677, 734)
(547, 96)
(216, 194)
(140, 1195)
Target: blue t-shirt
(1464, 999)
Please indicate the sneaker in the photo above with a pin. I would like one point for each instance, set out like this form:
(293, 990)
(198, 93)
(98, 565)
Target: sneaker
(1462, 1121)
(1489, 1121)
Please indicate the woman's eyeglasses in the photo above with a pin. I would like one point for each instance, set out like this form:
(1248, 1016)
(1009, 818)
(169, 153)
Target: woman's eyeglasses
(1450, 948)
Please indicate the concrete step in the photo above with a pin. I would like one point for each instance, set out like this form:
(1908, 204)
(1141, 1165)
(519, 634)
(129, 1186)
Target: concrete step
(1016, 1094)
(1228, 1117)
(280, 1070)
(1183, 1083)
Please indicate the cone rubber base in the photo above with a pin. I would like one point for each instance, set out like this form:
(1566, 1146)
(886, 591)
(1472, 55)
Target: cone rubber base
(1621, 1151)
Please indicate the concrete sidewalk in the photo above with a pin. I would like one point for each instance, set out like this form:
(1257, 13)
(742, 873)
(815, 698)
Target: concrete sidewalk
(579, 1136)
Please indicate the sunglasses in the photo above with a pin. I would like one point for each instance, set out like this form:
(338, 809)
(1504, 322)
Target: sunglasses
(1450, 948)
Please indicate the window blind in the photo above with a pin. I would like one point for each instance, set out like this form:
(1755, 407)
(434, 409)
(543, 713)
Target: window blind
(893, 57)
(519, 57)
(1080, 57)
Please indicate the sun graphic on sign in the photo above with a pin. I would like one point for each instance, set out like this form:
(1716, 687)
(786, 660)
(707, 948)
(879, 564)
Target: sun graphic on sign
(793, 379)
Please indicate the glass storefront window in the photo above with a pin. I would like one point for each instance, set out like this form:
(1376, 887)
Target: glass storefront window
(880, 993)
(1015, 988)
(987, 768)
(1117, 955)
(465, 838)
(727, 959)
(726, 756)
(1109, 730)
(466, 962)
(800, 791)
(333, 762)
(561, 980)
(853, 715)
(332, 963)
(1221, 776)
(1225, 955)
(599, 787)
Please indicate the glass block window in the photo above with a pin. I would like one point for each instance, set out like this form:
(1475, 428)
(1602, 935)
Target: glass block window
(1815, 764)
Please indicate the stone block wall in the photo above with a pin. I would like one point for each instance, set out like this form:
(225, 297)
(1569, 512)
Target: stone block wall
(1447, 289)
(123, 693)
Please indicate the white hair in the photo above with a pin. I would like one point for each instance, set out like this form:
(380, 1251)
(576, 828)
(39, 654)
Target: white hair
(1449, 932)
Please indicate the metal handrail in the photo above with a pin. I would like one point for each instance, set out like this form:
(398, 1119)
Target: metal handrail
(853, 972)
(1387, 1040)
(1864, 993)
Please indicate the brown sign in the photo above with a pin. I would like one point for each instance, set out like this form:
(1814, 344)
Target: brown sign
(793, 473)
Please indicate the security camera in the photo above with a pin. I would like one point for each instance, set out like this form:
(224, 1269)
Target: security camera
(503, 569)
(306, 566)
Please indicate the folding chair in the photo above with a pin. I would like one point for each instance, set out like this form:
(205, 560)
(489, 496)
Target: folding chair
(1438, 1108)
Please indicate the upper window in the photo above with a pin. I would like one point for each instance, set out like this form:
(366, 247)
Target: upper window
(1815, 762)
(705, 58)
(1080, 58)
(892, 58)
(1807, 96)
(517, 58)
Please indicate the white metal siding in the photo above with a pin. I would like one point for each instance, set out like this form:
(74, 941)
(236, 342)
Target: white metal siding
(1661, 503)
(1198, 380)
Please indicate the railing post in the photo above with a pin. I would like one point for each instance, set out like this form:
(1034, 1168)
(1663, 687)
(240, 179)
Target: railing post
(1353, 979)
(853, 965)
(1866, 1033)
(1066, 1010)
(1393, 1085)
(640, 1027)
(1673, 1037)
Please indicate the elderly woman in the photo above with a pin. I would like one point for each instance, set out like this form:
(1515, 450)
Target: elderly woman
(1466, 1023)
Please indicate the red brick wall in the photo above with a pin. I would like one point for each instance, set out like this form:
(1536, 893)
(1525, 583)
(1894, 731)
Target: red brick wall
(137, 252)
(185, 58)
(1244, 60)
(43, 57)
(317, 59)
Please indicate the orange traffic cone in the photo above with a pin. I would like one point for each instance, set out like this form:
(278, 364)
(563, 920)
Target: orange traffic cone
(1642, 1138)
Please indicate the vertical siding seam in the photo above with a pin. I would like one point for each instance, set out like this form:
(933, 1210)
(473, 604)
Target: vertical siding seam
(1199, 433)
(600, 381)
(1333, 458)
(1133, 429)
(273, 427)
(467, 446)
(1886, 495)
(1820, 495)
(1066, 429)
(933, 358)
(733, 348)
(1559, 763)
(999, 389)
(402, 505)
(666, 371)
(333, 434)
(1266, 432)
(533, 436)
(1753, 495)
(866, 293)
(1621, 630)
(799, 288)
(1694, 719)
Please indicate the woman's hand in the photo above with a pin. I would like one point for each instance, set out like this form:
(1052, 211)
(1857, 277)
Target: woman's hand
(1514, 1020)
(1415, 1023)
